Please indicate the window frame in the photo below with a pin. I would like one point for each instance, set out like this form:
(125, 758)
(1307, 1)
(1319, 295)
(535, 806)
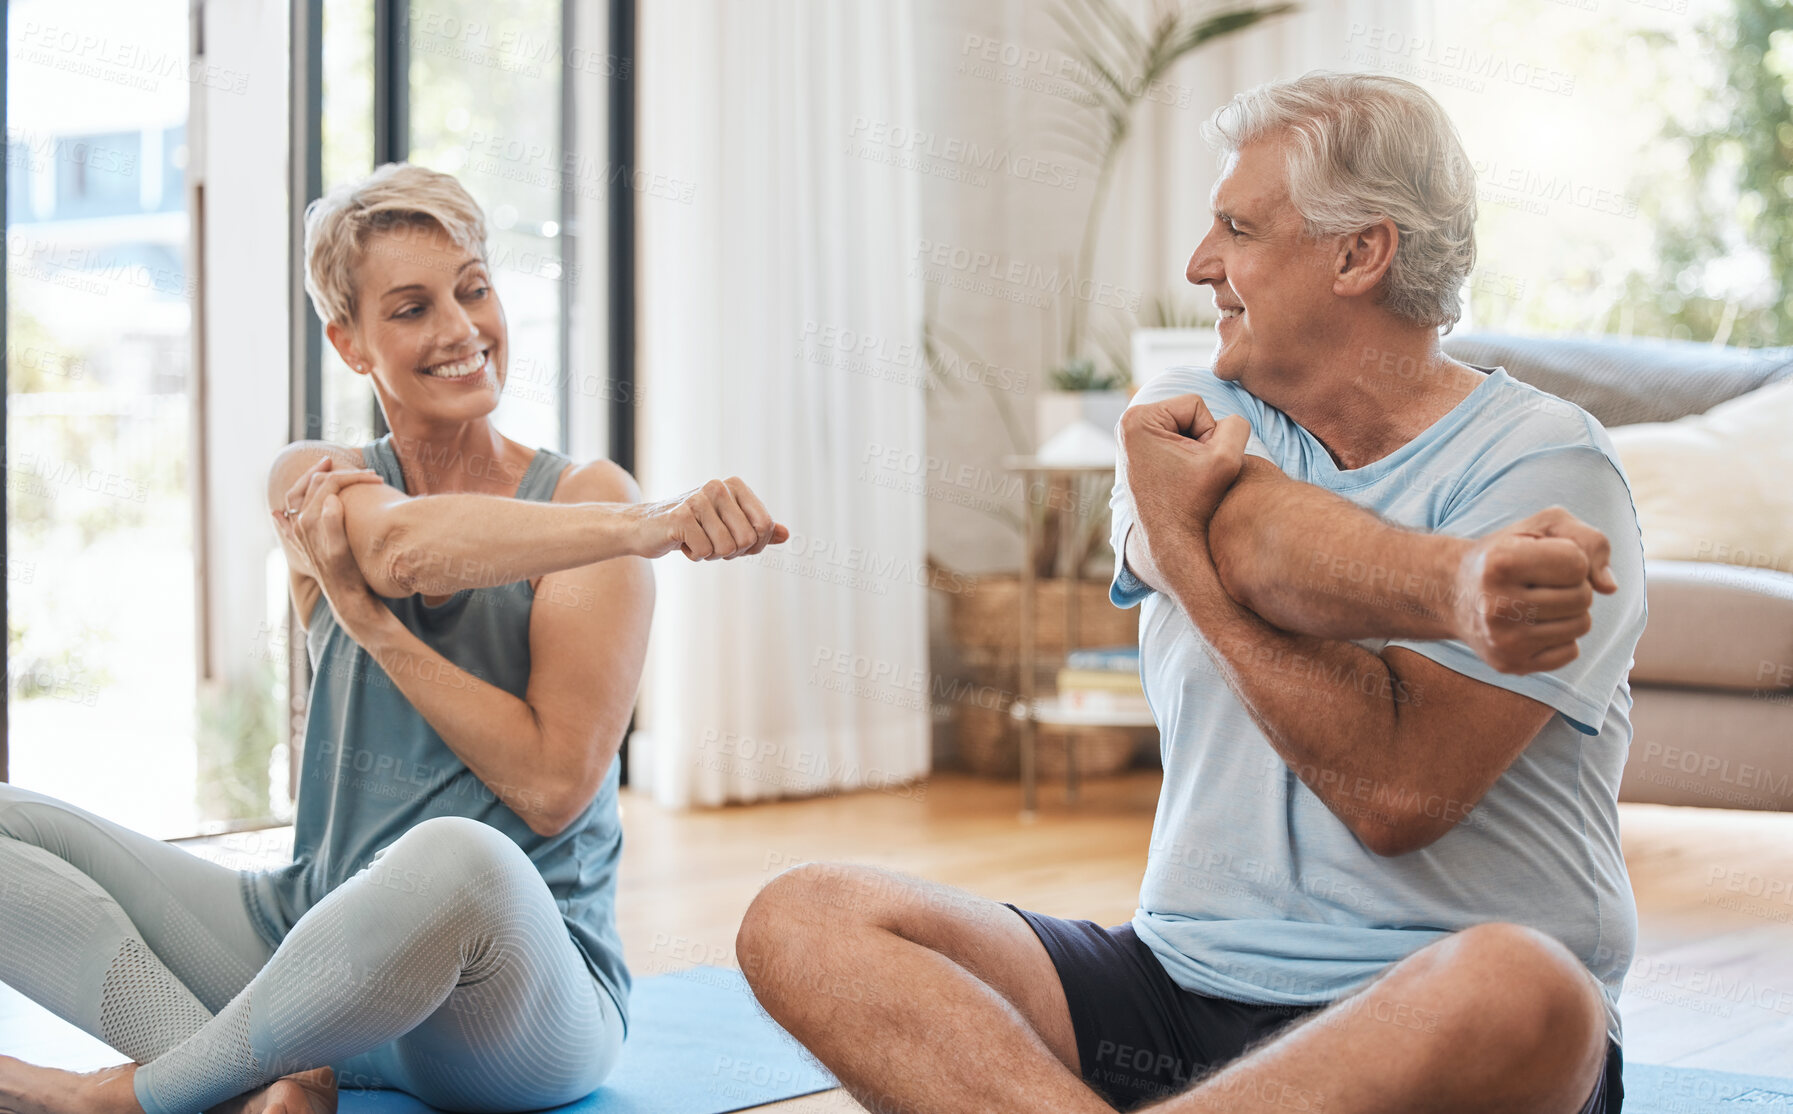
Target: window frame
(5, 494)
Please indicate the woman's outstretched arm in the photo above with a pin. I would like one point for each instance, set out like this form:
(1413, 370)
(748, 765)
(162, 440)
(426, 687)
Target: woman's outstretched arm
(439, 544)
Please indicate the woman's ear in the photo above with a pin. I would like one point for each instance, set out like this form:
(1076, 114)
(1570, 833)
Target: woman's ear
(345, 347)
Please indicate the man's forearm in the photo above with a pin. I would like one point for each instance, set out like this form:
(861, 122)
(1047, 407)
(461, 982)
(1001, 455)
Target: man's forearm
(1329, 708)
(1310, 561)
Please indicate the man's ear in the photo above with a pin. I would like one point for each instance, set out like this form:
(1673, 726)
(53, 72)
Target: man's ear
(345, 347)
(1364, 257)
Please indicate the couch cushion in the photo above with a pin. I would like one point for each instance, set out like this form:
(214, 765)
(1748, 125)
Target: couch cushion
(1716, 626)
(1716, 486)
(1710, 749)
(1625, 381)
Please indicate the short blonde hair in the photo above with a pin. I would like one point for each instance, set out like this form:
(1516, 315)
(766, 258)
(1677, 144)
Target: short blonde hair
(396, 196)
(1362, 148)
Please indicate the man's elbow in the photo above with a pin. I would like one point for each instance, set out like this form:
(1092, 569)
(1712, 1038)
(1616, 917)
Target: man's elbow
(1236, 565)
(1238, 538)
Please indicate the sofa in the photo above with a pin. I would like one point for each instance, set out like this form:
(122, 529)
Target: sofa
(1712, 680)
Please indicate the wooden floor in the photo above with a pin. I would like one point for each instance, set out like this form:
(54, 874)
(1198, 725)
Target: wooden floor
(688, 877)
(1712, 988)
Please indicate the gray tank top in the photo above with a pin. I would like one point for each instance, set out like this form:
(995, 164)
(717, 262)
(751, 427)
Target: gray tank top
(373, 768)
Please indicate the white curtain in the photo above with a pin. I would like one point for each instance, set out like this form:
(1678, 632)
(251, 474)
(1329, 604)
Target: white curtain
(770, 254)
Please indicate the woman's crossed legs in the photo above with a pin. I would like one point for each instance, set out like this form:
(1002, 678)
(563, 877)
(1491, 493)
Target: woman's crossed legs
(443, 969)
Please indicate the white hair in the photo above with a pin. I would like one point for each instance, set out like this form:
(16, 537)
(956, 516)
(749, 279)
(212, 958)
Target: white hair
(1362, 148)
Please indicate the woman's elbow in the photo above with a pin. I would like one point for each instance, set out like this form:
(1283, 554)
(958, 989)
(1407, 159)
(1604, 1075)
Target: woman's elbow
(400, 563)
(544, 809)
(553, 805)
(547, 826)
(556, 812)
(400, 559)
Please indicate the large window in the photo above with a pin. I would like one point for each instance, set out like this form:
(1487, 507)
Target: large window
(1634, 160)
(485, 106)
(347, 127)
(481, 88)
(100, 639)
(152, 677)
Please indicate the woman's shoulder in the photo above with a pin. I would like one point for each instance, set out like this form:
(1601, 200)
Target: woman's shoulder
(596, 481)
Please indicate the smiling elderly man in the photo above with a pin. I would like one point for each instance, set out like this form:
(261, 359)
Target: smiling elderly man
(1389, 604)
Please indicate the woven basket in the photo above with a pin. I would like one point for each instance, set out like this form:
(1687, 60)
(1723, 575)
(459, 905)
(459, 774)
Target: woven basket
(985, 619)
(989, 743)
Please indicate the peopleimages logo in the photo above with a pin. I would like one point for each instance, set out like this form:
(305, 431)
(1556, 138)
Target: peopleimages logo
(1456, 64)
(920, 144)
(117, 61)
(888, 358)
(1518, 185)
(989, 271)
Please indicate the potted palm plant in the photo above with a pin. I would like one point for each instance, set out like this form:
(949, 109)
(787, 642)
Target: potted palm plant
(1119, 62)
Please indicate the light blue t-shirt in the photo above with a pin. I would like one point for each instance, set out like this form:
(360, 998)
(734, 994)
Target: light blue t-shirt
(1254, 890)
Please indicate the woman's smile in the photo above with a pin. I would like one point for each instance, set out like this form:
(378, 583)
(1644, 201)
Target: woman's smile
(464, 367)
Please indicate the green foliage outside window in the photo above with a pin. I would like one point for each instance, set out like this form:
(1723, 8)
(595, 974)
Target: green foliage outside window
(1725, 232)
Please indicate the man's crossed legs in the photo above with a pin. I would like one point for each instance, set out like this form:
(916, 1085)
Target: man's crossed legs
(923, 999)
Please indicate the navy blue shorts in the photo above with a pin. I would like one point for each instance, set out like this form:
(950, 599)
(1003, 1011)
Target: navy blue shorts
(1141, 1037)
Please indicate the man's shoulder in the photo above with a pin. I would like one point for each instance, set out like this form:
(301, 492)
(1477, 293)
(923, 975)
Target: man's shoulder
(1224, 398)
(1530, 419)
(1520, 432)
(1534, 450)
(1191, 379)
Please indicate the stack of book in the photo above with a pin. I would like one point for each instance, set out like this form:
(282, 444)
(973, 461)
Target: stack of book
(1102, 680)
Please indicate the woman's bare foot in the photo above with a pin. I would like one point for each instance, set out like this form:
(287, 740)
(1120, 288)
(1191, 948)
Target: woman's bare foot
(306, 1092)
(30, 1089)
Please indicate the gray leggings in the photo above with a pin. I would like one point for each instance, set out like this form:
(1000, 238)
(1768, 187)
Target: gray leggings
(442, 968)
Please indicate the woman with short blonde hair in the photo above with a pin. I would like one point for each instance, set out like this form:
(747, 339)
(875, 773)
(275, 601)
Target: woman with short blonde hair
(476, 614)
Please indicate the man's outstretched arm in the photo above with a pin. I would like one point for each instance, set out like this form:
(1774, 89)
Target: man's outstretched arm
(1309, 561)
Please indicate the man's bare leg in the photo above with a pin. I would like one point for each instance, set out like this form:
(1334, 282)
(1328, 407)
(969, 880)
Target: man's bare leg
(1497, 1018)
(918, 997)
(924, 998)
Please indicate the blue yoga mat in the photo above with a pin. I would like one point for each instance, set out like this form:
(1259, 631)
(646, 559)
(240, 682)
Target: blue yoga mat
(1652, 1089)
(698, 1044)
